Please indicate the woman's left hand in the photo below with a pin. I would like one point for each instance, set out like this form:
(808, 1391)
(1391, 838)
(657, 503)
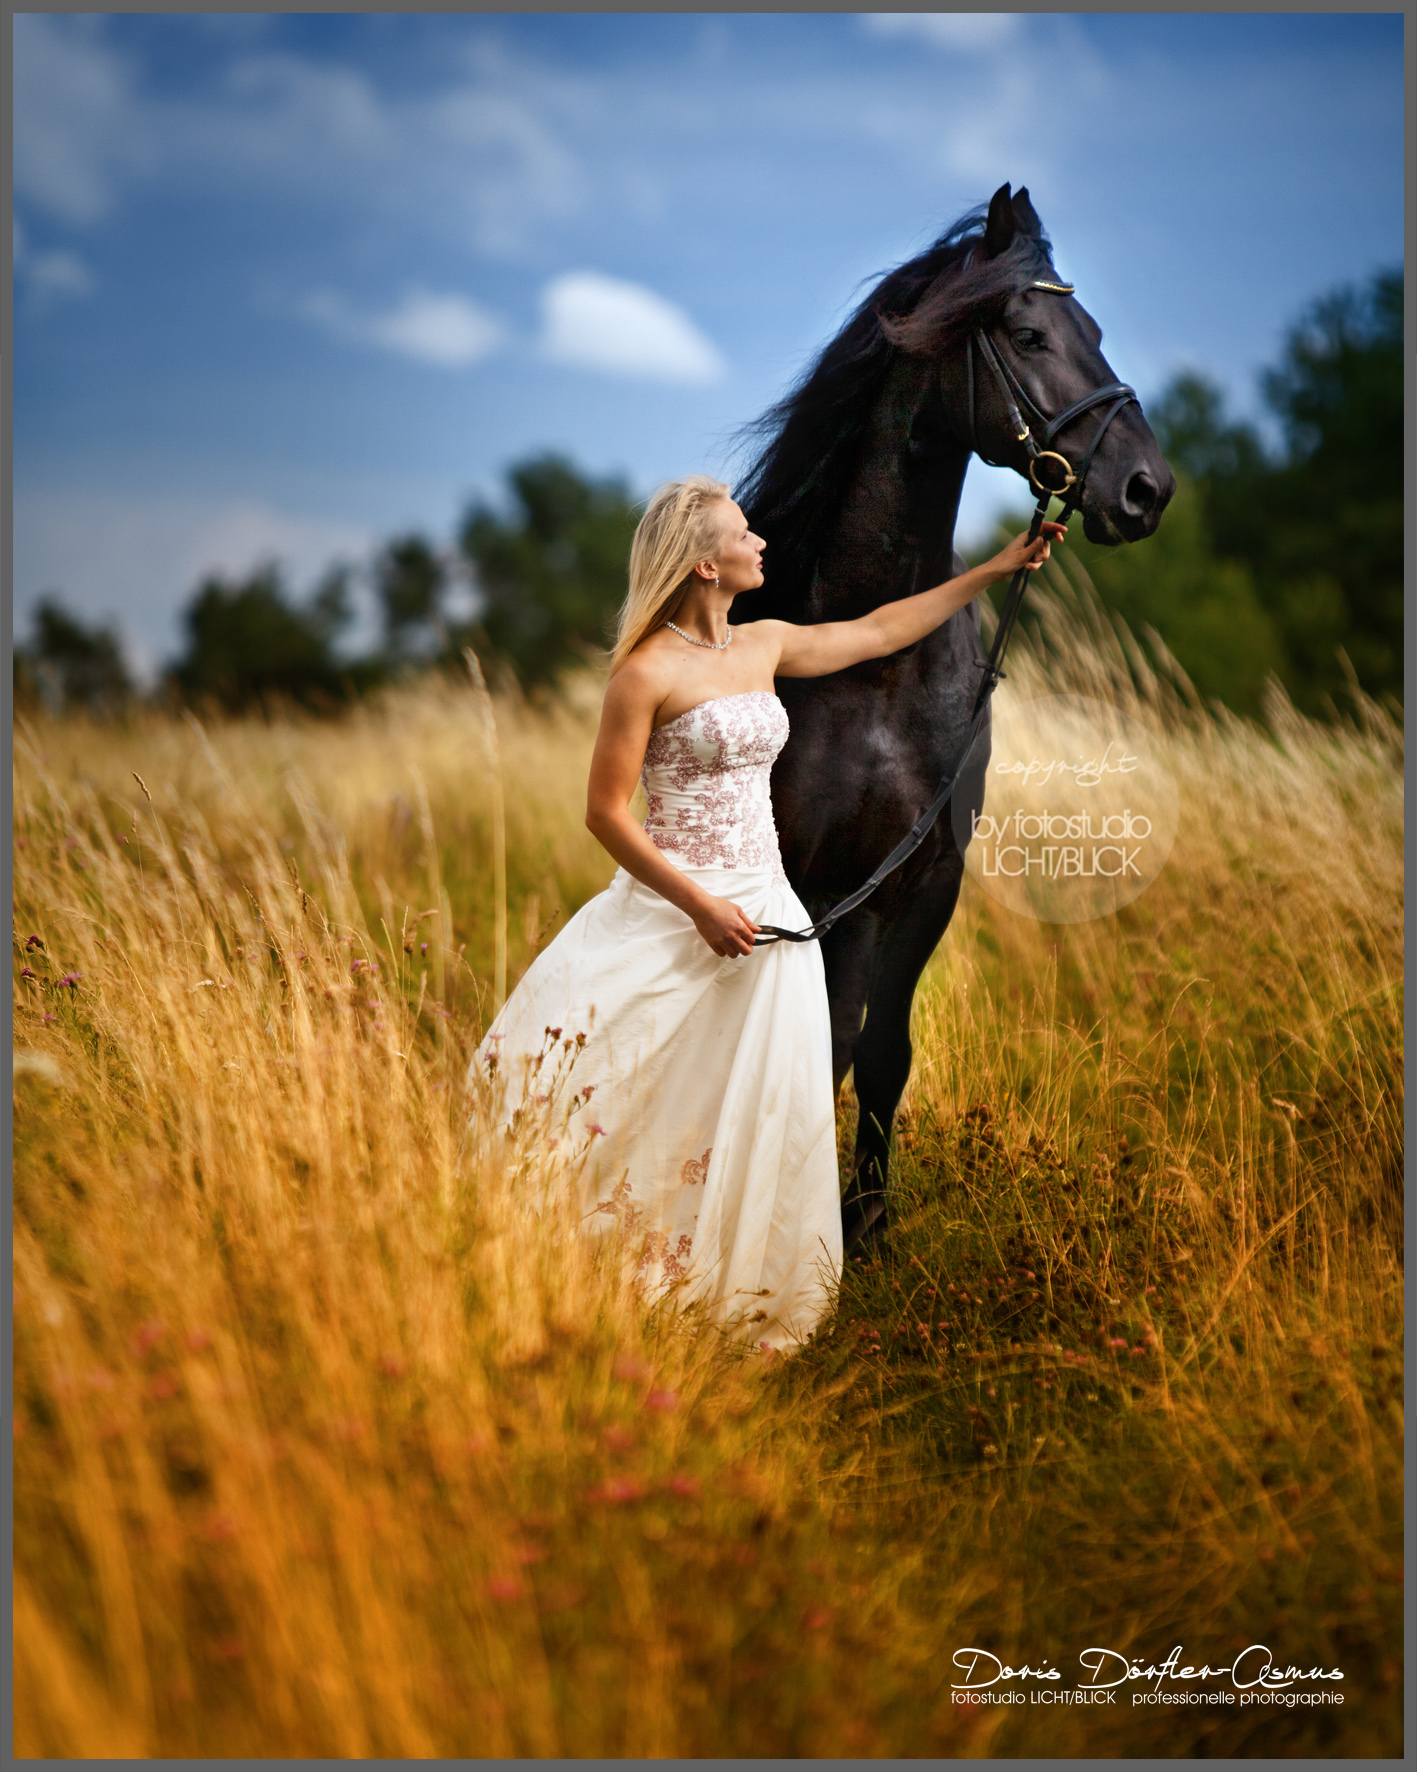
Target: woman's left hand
(1022, 552)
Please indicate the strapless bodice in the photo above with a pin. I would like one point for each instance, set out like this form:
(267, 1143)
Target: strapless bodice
(706, 779)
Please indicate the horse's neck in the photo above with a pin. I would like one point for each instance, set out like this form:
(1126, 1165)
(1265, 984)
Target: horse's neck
(895, 535)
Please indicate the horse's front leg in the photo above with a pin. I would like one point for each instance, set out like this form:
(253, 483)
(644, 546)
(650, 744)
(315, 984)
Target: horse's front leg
(847, 953)
(881, 1061)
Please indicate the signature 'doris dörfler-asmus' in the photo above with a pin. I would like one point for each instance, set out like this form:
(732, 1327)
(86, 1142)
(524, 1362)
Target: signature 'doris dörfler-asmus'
(1254, 1666)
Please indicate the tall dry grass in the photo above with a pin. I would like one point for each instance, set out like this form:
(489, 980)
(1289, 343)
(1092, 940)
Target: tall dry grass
(325, 1445)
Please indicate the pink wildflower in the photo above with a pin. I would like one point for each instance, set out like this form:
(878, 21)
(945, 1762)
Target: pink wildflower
(621, 1489)
(666, 1400)
(148, 1335)
(505, 1587)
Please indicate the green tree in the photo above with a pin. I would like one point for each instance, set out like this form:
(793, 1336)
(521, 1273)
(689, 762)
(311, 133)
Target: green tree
(247, 644)
(1339, 394)
(411, 577)
(68, 664)
(552, 573)
(1319, 525)
(1190, 424)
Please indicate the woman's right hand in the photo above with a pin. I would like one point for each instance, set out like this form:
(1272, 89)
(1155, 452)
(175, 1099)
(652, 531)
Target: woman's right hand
(725, 927)
(1023, 552)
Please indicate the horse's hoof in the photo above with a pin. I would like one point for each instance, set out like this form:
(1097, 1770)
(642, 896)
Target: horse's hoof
(865, 1228)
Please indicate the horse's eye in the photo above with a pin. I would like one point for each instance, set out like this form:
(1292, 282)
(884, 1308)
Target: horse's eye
(1029, 340)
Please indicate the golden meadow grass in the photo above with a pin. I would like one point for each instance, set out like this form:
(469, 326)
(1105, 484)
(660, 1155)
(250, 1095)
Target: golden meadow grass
(325, 1445)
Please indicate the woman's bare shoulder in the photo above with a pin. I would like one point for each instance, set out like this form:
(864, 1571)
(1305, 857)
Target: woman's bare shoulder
(643, 679)
(765, 638)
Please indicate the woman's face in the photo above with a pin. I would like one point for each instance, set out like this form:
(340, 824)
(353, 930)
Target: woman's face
(739, 559)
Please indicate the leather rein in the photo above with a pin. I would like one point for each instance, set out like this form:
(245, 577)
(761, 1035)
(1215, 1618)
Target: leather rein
(1052, 476)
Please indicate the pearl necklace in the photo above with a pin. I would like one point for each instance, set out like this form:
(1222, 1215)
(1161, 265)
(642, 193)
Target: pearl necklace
(713, 645)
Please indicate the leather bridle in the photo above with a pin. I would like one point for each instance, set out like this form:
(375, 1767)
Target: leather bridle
(1053, 481)
(1061, 480)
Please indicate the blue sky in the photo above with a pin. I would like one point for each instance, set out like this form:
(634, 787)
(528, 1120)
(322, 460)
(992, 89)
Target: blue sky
(288, 283)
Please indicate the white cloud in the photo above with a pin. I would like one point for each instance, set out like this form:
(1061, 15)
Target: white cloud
(447, 331)
(510, 167)
(135, 560)
(598, 322)
(46, 274)
(975, 32)
(497, 147)
(76, 126)
(972, 143)
(480, 159)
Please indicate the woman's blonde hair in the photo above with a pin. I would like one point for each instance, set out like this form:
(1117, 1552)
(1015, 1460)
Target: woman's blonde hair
(680, 526)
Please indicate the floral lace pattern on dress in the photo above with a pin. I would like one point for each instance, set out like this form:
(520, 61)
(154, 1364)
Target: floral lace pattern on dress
(662, 1258)
(696, 1169)
(706, 779)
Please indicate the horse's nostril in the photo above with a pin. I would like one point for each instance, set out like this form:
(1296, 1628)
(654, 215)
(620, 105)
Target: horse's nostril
(1141, 495)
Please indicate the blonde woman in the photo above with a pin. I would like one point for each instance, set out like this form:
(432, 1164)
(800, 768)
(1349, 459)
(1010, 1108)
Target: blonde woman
(699, 1101)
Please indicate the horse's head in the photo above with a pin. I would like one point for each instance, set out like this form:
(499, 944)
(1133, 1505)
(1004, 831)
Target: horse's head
(1006, 299)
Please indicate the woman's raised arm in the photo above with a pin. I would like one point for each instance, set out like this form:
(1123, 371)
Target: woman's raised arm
(833, 645)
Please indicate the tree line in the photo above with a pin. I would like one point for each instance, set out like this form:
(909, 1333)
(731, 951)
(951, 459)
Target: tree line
(1286, 560)
(549, 573)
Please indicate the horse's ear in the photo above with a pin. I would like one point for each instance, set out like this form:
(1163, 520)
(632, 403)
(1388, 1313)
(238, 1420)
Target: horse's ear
(1000, 227)
(1025, 214)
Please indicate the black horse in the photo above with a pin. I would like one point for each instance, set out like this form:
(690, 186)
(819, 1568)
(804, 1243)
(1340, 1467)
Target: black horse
(855, 491)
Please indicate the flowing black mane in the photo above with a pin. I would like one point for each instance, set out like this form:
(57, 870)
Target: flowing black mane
(810, 441)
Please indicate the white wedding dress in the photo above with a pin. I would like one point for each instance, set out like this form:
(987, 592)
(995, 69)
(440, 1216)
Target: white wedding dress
(697, 1114)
